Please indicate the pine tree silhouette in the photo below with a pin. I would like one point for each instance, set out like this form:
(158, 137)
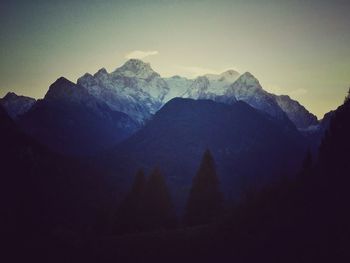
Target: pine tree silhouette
(129, 215)
(158, 212)
(204, 203)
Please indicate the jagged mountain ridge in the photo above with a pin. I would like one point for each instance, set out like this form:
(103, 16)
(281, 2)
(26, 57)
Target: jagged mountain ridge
(211, 85)
(122, 101)
(248, 89)
(137, 90)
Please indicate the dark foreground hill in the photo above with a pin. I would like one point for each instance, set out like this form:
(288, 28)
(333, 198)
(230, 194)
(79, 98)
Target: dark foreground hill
(304, 219)
(47, 201)
(249, 147)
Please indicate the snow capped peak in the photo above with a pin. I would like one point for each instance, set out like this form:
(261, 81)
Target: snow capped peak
(249, 80)
(248, 89)
(136, 68)
(134, 89)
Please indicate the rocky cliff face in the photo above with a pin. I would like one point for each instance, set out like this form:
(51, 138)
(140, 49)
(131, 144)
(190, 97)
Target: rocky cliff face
(248, 89)
(297, 113)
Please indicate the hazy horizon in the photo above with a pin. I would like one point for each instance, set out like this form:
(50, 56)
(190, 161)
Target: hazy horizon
(293, 48)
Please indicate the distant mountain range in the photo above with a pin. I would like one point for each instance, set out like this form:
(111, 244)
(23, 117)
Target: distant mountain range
(105, 108)
(136, 83)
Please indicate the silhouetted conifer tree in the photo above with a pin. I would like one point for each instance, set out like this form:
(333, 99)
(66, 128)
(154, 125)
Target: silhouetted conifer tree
(158, 209)
(129, 215)
(204, 203)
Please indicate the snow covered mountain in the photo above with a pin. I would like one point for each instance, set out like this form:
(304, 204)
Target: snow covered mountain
(138, 91)
(177, 87)
(219, 83)
(248, 89)
(203, 87)
(245, 88)
(230, 87)
(105, 108)
(16, 105)
(134, 89)
(199, 89)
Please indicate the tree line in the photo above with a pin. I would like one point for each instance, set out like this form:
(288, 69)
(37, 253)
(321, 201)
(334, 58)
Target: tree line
(148, 205)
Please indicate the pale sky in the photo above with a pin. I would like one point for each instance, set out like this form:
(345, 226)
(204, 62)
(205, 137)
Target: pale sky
(298, 48)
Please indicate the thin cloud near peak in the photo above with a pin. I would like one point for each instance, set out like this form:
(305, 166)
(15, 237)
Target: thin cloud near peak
(140, 54)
